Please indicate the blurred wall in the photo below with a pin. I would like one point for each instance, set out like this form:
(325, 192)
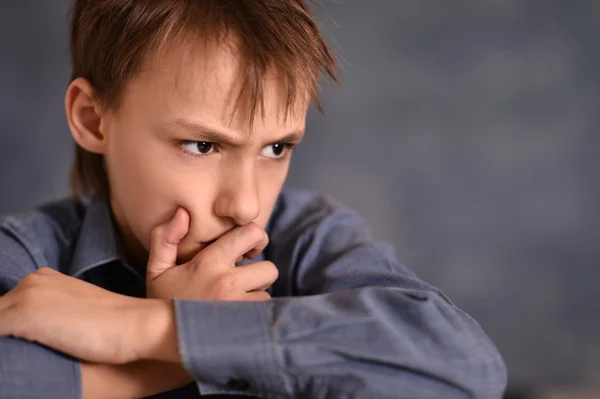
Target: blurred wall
(465, 132)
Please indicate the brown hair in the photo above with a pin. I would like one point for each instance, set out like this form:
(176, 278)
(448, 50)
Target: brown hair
(110, 38)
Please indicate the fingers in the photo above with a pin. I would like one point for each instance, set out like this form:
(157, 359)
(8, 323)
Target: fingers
(256, 276)
(254, 252)
(5, 303)
(236, 243)
(6, 316)
(164, 241)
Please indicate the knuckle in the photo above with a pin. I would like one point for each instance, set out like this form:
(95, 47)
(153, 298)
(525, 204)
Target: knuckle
(252, 230)
(29, 279)
(156, 234)
(264, 236)
(197, 262)
(27, 297)
(227, 286)
(19, 322)
(202, 258)
(255, 234)
(30, 294)
(272, 270)
(44, 270)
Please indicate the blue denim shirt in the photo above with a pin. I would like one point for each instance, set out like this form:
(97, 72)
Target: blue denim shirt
(346, 319)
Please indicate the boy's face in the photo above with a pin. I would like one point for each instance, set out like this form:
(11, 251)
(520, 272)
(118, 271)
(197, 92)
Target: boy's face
(157, 161)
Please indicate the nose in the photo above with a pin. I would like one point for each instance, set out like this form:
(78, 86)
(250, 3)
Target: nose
(238, 198)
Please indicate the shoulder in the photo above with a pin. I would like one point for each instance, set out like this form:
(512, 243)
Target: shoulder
(310, 209)
(320, 245)
(307, 218)
(43, 236)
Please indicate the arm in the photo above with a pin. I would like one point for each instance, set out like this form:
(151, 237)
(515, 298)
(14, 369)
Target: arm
(30, 370)
(132, 380)
(143, 377)
(359, 325)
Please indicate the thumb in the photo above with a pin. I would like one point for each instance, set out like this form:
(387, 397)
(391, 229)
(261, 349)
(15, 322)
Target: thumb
(163, 244)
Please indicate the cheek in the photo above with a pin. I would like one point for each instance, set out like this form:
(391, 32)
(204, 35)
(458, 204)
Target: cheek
(272, 180)
(144, 169)
(147, 191)
(128, 162)
(162, 205)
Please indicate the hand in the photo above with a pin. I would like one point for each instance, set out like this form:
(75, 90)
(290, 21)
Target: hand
(212, 273)
(83, 320)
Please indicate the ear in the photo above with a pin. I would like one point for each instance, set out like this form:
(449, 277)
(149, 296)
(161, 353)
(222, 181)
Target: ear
(85, 116)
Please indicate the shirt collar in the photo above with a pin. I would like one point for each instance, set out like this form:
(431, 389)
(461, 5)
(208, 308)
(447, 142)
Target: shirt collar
(98, 241)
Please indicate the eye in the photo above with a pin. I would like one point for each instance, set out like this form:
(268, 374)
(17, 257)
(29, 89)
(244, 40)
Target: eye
(277, 151)
(198, 148)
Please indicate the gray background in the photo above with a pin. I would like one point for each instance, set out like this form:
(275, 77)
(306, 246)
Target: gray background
(465, 132)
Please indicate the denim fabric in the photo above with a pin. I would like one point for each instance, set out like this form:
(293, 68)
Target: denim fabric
(346, 319)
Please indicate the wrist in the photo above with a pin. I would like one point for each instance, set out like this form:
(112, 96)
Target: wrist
(159, 331)
(95, 377)
(131, 380)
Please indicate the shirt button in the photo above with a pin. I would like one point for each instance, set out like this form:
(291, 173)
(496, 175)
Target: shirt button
(238, 384)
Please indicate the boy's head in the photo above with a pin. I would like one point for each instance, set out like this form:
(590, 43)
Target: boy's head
(191, 103)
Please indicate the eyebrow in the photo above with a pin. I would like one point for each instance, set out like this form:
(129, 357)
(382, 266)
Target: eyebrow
(210, 134)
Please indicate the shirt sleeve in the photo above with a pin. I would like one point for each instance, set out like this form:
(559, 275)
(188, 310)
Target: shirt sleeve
(29, 370)
(347, 321)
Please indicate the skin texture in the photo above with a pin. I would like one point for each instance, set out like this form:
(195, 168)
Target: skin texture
(185, 220)
(151, 176)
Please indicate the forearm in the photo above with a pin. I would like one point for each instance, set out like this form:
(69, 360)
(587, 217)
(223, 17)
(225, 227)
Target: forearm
(160, 368)
(29, 370)
(148, 376)
(368, 342)
(132, 380)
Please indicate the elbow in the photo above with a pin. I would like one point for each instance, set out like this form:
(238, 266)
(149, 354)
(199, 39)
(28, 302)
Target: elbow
(486, 378)
(483, 374)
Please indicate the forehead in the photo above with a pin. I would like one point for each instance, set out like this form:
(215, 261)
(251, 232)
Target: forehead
(193, 80)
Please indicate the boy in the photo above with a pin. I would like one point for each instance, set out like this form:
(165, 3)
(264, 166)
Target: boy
(180, 266)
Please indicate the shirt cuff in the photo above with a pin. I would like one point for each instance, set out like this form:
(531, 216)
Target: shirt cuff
(227, 347)
(29, 370)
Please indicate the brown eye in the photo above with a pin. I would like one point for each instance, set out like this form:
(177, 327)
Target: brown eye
(276, 151)
(198, 148)
(204, 147)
